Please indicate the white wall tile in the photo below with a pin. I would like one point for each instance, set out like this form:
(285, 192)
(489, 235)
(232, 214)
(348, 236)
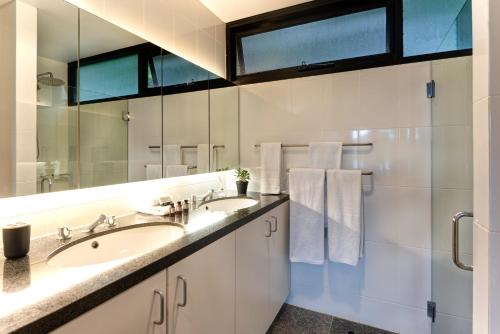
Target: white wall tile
(451, 157)
(380, 280)
(414, 157)
(414, 321)
(414, 276)
(452, 287)
(445, 204)
(414, 215)
(453, 101)
(379, 314)
(448, 324)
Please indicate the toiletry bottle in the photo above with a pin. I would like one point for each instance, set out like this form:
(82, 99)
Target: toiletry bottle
(185, 206)
(178, 208)
(172, 210)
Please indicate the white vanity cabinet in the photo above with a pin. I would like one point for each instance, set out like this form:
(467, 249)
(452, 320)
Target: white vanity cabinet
(262, 270)
(140, 309)
(201, 290)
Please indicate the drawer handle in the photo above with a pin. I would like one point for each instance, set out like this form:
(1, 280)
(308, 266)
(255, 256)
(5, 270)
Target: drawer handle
(184, 291)
(268, 229)
(162, 308)
(275, 220)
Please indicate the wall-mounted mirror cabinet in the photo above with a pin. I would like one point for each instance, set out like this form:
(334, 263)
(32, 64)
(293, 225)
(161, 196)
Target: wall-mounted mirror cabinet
(90, 104)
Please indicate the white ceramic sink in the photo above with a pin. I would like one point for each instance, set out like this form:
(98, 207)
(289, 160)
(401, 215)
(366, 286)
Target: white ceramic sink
(117, 245)
(229, 204)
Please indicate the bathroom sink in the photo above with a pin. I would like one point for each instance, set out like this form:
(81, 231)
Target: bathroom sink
(229, 204)
(117, 245)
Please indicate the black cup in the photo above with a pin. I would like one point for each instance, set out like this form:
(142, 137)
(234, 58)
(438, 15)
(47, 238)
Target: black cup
(16, 240)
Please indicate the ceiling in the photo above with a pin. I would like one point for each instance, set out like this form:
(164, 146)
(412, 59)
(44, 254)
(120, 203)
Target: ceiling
(58, 32)
(229, 10)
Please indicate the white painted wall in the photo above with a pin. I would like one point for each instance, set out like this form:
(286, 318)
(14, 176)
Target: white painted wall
(184, 27)
(7, 100)
(486, 127)
(387, 106)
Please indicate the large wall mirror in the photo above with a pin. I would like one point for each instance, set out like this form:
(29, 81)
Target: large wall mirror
(101, 106)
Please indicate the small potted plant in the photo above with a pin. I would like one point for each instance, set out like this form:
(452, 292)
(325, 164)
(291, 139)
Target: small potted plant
(242, 177)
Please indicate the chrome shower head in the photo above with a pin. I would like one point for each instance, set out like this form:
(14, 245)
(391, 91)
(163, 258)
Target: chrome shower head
(48, 79)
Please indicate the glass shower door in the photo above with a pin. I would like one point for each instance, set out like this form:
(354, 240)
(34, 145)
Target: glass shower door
(451, 193)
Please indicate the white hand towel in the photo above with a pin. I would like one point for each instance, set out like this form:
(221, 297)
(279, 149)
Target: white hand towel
(344, 207)
(203, 157)
(172, 155)
(307, 206)
(153, 172)
(270, 168)
(325, 155)
(176, 170)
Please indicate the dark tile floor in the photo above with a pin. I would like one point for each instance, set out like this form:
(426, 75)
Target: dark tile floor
(296, 320)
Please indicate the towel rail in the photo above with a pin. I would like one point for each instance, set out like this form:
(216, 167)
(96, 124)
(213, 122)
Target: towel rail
(189, 167)
(306, 145)
(364, 172)
(183, 147)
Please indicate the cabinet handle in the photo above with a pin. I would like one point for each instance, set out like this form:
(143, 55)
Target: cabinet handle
(275, 220)
(162, 308)
(268, 229)
(184, 291)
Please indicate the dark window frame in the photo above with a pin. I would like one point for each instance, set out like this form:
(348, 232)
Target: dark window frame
(318, 10)
(145, 52)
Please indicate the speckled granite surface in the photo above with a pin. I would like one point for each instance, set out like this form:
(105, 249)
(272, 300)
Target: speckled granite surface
(36, 297)
(295, 320)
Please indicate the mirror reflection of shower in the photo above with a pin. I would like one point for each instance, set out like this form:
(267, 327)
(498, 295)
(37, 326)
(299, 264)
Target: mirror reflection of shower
(52, 132)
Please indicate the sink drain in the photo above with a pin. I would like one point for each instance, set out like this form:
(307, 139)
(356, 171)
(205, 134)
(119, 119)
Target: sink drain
(94, 244)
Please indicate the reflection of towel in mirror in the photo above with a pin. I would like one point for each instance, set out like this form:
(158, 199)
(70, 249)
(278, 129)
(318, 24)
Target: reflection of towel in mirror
(153, 172)
(176, 170)
(172, 155)
(203, 158)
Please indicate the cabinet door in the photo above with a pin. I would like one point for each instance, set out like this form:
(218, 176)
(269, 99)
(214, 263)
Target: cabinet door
(252, 277)
(134, 311)
(201, 290)
(279, 264)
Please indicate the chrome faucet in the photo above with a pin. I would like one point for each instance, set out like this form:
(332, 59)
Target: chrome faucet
(47, 179)
(110, 220)
(208, 196)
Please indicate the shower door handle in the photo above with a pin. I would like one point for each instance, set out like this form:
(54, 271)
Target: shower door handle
(456, 240)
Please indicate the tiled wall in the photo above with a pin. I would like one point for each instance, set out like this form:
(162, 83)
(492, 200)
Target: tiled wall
(486, 127)
(451, 192)
(387, 106)
(184, 27)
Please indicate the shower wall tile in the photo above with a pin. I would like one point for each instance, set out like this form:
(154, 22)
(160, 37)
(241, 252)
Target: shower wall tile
(446, 203)
(448, 324)
(387, 106)
(452, 103)
(452, 287)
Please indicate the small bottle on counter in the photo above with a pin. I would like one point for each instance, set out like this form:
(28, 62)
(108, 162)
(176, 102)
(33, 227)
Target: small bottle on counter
(185, 206)
(178, 208)
(172, 209)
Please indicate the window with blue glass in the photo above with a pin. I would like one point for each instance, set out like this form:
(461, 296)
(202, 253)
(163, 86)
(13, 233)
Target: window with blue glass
(434, 26)
(169, 70)
(109, 78)
(337, 38)
(327, 36)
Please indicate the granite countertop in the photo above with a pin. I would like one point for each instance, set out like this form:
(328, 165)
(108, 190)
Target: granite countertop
(37, 298)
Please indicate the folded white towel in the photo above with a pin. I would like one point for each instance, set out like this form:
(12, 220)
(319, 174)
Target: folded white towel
(345, 225)
(176, 170)
(307, 206)
(270, 168)
(326, 155)
(153, 172)
(203, 158)
(172, 155)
